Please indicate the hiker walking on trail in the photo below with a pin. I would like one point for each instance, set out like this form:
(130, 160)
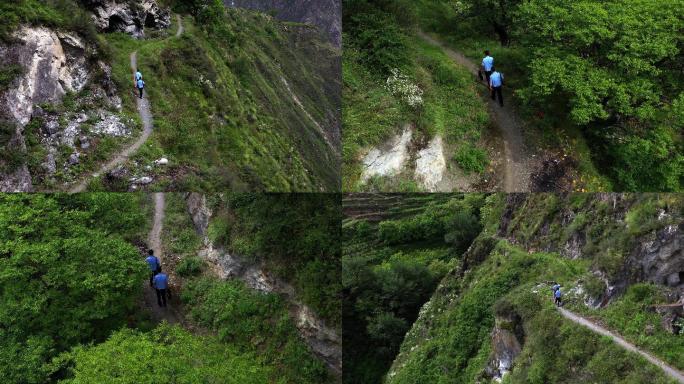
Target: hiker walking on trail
(495, 84)
(487, 65)
(153, 263)
(140, 84)
(161, 285)
(557, 297)
(138, 75)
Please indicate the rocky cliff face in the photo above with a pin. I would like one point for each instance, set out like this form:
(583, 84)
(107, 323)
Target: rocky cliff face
(325, 14)
(54, 64)
(128, 17)
(654, 255)
(324, 342)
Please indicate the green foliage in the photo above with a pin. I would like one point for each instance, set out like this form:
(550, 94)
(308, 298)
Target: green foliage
(295, 235)
(66, 274)
(190, 266)
(169, 354)
(391, 268)
(8, 74)
(471, 159)
(255, 323)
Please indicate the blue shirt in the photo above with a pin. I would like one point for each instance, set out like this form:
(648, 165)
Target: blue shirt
(557, 294)
(488, 63)
(152, 262)
(161, 281)
(496, 79)
(138, 76)
(141, 83)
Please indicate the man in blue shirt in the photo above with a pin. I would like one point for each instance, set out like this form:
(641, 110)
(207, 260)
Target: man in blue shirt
(138, 75)
(495, 84)
(140, 84)
(557, 295)
(161, 285)
(487, 65)
(153, 264)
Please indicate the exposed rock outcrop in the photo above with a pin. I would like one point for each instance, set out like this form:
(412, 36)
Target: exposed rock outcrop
(325, 14)
(324, 342)
(388, 159)
(129, 17)
(506, 346)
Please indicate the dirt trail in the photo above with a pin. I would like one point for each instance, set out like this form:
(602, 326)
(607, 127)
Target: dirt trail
(146, 117)
(154, 241)
(518, 159)
(669, 370)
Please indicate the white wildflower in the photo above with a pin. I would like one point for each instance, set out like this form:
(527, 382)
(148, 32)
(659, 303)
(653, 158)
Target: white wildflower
(400, 85)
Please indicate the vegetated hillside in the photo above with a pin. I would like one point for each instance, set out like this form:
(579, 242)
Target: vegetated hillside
(238, 100)
(413, 119)
(619, 261)
(325, 14)
(285, 246)
(74, 293)
(599, 83)
(396, 248)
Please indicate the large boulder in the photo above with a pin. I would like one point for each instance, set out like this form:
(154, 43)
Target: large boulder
(128, 17)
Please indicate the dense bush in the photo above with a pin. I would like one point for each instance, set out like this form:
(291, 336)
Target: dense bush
(169, 354)
(190, 266)
(254, 322)
(67, 275)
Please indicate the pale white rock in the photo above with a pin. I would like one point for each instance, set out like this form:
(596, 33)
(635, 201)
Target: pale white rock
(162, 161)
(389, 159)
(431, 165)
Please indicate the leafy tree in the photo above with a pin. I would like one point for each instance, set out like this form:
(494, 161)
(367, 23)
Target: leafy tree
(169, 354)
(64, 278)
(609, 58)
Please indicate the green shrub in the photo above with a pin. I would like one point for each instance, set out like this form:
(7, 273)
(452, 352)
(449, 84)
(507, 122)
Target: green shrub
(190, 266)
(471, 159)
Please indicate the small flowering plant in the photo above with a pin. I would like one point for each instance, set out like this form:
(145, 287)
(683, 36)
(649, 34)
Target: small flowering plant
(400, 85)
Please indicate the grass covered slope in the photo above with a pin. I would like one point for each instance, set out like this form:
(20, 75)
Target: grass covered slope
(241, 102)
(435, 98)
(396, 248)
(502, 287)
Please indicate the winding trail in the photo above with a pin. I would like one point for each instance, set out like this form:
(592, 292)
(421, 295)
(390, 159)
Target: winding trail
(146, 117)
(669, 370)
(518, 159)
(154, 241)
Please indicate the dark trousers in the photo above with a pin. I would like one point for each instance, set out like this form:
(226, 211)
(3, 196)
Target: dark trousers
(152, 274)
(140, 92)
(488, 74)
(558, 302)
(161, 297)
(496, 91)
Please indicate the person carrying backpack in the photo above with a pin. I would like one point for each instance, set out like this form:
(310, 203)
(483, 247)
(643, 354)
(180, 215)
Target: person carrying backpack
(557, 296)
(153, 263)
(487, 65)
(161, 285)
(495, 85)
(140, 84)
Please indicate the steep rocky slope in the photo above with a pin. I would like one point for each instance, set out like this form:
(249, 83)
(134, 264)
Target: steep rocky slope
(323, 340)
(264, 111)
(325, 14)
(619, 260)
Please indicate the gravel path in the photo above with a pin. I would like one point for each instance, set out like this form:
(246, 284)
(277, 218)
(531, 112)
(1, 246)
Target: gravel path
(518, 159)
(146, 117)
(669, 370)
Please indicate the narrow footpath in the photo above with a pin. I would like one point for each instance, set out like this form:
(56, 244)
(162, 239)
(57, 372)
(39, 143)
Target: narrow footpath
(669, 370)
(518, 160)
(154, 242)
(146, 117)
